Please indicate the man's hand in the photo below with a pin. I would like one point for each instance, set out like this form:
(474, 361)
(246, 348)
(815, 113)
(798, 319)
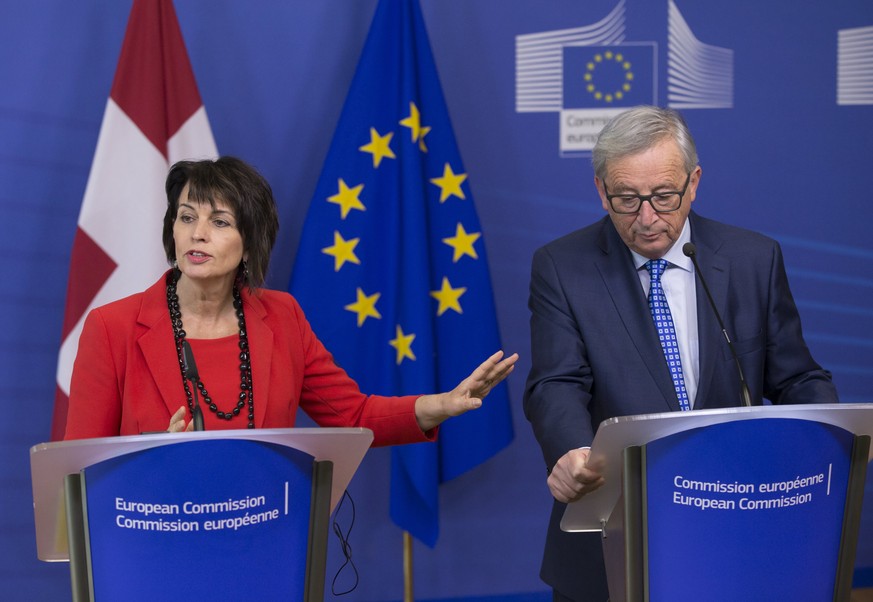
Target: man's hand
(571, 478)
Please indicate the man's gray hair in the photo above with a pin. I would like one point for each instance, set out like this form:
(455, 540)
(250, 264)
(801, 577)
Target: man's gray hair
(638, 129)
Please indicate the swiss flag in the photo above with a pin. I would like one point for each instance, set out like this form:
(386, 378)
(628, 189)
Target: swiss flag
(154, 117)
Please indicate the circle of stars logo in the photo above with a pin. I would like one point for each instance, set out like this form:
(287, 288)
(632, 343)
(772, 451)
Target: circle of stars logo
(608, 62)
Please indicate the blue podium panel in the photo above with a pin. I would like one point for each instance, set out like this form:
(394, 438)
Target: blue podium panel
(216, 519)
(746, 510)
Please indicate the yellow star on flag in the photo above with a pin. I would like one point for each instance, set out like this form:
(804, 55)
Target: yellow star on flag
(425, 130)
(416, 130)
(379, 146)
(342, 251)
(462, 243)
(413, 122)
(347, 198)
(450, 184)
(364, 306)
(448, 297)
(403, 344)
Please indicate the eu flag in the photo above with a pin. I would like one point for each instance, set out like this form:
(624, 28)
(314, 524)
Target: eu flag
(392, 271)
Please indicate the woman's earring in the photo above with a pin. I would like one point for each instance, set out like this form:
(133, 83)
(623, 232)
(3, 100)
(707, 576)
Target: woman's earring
(242, 273)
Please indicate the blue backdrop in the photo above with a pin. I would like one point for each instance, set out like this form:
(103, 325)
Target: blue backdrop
(777, 94)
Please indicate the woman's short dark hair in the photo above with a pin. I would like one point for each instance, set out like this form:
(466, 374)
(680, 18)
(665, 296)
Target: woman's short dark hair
(238, 185)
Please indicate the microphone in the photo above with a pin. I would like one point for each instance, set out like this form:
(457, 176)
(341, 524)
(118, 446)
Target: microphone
(190, 367)
(690, 251)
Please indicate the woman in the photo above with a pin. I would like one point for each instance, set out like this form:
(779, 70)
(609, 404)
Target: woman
(257, 356)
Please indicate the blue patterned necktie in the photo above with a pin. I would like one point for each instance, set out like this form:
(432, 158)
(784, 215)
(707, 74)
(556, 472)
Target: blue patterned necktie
(666, 331)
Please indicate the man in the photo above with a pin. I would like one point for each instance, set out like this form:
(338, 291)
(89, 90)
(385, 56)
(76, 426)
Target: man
(595, 348)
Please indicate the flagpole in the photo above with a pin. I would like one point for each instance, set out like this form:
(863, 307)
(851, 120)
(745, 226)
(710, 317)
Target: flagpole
(407, 568)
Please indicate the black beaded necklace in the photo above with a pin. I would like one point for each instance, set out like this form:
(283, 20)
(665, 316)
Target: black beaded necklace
(246, 393)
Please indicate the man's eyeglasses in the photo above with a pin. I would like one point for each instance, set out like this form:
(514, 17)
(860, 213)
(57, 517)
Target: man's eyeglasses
(661, 202)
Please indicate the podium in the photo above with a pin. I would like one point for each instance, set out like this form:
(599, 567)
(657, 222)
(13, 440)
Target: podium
(237, 514)
(760, 503)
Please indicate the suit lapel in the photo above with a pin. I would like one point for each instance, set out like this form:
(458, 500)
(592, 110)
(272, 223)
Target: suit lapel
(716, 270)
(623, 285)
(156, 344)
(261, 345)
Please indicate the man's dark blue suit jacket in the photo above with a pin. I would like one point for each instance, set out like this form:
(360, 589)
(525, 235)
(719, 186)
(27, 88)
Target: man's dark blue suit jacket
(595, 353)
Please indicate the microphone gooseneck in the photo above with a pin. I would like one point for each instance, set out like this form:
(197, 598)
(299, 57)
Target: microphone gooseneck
(190, 367)
(690, 251)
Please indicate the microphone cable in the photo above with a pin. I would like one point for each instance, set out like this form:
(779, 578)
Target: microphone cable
(690, 251)
(345, 545)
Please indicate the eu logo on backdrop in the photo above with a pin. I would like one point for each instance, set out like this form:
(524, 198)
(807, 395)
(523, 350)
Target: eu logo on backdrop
(599, 82)
(618, 75)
